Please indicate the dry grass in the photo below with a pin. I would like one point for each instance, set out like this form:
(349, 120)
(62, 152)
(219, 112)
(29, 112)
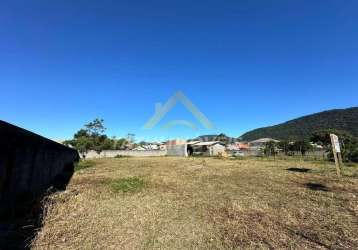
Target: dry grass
(203, 203)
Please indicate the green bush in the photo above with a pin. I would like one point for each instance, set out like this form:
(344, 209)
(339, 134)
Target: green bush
(353, 155)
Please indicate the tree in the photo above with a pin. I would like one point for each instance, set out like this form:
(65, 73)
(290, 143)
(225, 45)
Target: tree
(90, 137)
(83, 144)
(270, 148)
(323, 138)
(95, 128)
(98, 143)
(349, 143)
(121, 143)
(108, 144)
(285, 146)
(352, 154)
(302, 146)
(81, 133)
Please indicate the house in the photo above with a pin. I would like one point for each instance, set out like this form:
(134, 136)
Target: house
(139, 148)
(210, 148)
(238, 149)
(243, 146)
(151, 147)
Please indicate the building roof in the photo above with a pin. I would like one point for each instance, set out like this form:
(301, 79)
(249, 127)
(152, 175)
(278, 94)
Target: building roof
(139, 148)
(238, 146)
(264, 140)
(244, 146)
(192, 142)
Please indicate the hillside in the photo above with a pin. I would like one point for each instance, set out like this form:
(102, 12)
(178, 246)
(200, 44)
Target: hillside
(219, 137)
(300, 128)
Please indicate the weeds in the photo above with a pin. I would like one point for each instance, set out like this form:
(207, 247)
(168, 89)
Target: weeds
(83, 165)
(246, 204)
(132, 184)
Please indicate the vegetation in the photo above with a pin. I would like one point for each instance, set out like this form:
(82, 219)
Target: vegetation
(270, 148)
(205, 203)
(92, 137)
(301, 129)
(287, 147)
(83, 165)
(349, 143)
(131, 184)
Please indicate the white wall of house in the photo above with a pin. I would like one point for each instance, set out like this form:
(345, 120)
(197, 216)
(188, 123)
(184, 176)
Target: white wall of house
(216, 149)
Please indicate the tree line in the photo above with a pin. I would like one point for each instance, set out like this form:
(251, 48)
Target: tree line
(92, 137)
(349, 145)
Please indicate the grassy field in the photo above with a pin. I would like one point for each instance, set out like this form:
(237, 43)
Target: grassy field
(203, 203)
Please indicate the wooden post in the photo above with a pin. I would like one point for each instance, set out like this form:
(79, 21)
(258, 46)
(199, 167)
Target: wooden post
(340, 160)
(337, 164)
(336, 150)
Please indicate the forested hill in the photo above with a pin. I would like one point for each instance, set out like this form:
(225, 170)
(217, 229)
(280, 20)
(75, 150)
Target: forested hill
(301, 128)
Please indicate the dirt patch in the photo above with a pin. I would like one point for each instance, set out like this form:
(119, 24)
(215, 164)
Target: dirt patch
(89, 181)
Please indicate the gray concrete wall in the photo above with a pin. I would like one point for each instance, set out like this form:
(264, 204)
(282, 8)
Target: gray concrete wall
(29, 164)
(177, 150)
(133, 153)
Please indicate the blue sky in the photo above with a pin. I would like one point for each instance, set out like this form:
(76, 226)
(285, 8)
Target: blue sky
(244, 64)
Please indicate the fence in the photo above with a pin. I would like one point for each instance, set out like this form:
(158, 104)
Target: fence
(133, 153)
(29, 164)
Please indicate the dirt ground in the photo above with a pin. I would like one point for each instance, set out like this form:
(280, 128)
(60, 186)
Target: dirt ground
(203, 203)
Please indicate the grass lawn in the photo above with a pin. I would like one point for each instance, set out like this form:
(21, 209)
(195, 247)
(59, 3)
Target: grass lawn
(203, 203)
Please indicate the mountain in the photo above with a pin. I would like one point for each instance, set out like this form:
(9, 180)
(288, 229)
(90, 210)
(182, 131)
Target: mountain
(220, 137)
(301, 128)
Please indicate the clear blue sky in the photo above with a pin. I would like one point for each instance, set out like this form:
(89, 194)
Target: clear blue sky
(245, 64)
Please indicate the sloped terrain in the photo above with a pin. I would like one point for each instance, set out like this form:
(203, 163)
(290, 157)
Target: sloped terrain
(301, 128)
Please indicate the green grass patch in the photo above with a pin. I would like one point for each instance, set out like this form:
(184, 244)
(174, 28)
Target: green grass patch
(83, 165)
(131, 184)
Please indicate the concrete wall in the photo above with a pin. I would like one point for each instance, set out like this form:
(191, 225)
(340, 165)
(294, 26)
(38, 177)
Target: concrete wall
(29, 164)
(134, 153)
(177, 150)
